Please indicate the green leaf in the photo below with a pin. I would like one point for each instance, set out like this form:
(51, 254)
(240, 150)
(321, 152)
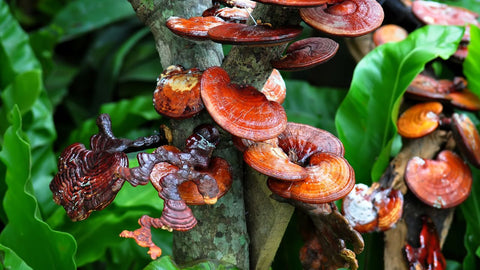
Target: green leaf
(26, 234)
(471, 212)
(471, 65)
(312, 105)
(23, 91)
(468, 4)
(16, 56)
(453, 265)
(82, 16)
(10, 260)
(366, 118)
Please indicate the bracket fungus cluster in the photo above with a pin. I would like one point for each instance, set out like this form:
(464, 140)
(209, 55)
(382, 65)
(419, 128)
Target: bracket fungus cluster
(305, 165)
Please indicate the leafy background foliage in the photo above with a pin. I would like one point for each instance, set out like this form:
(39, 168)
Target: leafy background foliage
(67, 61)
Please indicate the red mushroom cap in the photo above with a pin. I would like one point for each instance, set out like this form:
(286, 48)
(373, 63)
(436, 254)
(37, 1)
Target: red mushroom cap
(427, 88)
(272, 161)
(235, 15)
(419, 120)
(241, 110)
(195, 28)
(442, 183)
(220, 171)
(389, 33)
(298, 3)
(178, 93)
(260, 34)
(238, 3)
(467, 138)
(349, 18)
(465, 100)
(330, 178)
(307, 53)
(274, 88)
(430, 12)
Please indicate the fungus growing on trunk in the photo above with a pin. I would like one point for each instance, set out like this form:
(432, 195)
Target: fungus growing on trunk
(87, 180)
(467, 138)
(372, 209)
(349, 18)
(274, 88)
(253, 35)
(168, 168)
(195, 28)
(306, 53)
(298, 3)
(442, 183)
(241, 110)
(178, 93)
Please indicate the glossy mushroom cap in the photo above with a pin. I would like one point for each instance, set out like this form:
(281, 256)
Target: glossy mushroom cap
(350, 18)
(465, 100)
(241, 110)
(234, 15)
(195, 28)
(430, 12)
(427, 88)
(307, 53)
(467, 138)
(330, 177)
(419, 120)
(252, 35)
(389, 33)
(220, 171)
(372, 209)
(274, 88)
(238, 3)
(442, 183)
(286, 157)
(298, 3)
(178, 93)
(86, 180)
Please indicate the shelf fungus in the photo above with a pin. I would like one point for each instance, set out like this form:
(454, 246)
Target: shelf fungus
(87, 180)
(349, 18)
(419, 120)
(241, 110)
(467, 138)
(389, 33)
(274, 88)
(190, 176)
(307, 53)
(429, 254)
(177, 94)
(305, 164)
(195, 28)
(373, 208)
(253, 35)
(442, 183)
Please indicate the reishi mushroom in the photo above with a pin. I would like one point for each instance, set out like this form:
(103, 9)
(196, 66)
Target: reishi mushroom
(195, 28)
(241, 110)
(349, 18)
(419, 120)
(274, 88)
(467, 138)
(372, 209)
(251, 35)
(306, 53)
(178, 93)
(442, 183)
(389, 33)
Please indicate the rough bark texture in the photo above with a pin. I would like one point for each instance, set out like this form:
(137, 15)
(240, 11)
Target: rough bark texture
(408, 229)
(221, 232)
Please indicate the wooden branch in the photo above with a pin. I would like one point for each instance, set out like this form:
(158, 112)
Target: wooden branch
(408, 229)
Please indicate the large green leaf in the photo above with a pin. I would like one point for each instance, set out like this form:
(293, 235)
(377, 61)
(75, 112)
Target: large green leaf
(16, 56)
(312, 105)
(471, 212)
(81, 16)
(471, 65)
(469, 4)
(366, 118)
(10, 260)
(26, 234)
